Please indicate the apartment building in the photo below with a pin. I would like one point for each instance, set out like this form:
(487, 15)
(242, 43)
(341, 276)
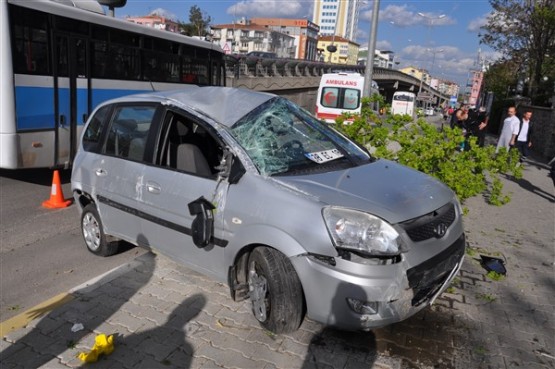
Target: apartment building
(337, 17)
(155, 21)
(346, 50)
(243, 37)
(303, 31)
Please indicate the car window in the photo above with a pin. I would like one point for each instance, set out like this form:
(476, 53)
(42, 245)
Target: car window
(128, 131)
(92, 134)
(281, 138)
(187, 146)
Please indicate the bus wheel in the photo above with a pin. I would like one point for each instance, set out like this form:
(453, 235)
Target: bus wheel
(93, 233)
(275, 291)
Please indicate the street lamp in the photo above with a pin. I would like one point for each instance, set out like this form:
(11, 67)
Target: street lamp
(431, 23)
(434, 52)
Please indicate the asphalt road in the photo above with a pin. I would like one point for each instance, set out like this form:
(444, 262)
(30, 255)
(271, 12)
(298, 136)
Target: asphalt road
(42, 253)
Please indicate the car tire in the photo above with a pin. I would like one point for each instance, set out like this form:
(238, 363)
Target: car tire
(93, 233)
(275, 291)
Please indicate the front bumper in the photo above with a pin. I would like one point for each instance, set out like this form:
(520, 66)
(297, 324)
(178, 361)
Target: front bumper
(398, 291)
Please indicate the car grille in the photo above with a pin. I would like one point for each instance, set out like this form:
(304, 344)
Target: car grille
(434, 224)
(427, 278)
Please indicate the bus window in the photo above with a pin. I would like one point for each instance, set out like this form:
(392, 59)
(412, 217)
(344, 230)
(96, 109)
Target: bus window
(30, 42)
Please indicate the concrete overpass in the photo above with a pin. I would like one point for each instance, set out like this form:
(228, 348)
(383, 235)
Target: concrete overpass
(298, 80)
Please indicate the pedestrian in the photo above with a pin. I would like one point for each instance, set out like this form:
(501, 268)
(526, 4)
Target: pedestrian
(477, 123)
(524, 136)
(509, 131)
(459, 117)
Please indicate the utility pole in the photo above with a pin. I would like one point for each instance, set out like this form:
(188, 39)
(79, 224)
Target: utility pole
(371, 50)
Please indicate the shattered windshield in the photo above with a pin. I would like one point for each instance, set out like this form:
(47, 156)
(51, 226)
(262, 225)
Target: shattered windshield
(281, 138)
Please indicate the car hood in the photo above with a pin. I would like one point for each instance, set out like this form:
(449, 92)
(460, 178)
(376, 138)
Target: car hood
(384, 188)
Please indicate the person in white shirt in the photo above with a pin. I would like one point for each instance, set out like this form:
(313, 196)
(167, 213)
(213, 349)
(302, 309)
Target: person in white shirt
(523, 140)
(511, 126)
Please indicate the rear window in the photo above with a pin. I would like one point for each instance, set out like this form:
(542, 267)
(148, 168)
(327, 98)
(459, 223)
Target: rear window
(340, 98)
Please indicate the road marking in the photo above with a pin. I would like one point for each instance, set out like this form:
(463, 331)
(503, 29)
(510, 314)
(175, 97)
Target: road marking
(40, 310)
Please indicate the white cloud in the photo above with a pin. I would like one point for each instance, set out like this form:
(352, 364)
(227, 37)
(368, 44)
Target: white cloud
(450, 63)
(475, 24)
(267, 8)
(164, 13)
(402, 16)
(383, 45)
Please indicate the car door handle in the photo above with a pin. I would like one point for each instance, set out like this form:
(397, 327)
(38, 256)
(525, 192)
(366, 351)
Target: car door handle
(101, 172)
(153, 187)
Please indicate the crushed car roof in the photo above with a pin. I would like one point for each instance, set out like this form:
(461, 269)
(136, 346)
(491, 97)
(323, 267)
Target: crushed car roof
(225, 105)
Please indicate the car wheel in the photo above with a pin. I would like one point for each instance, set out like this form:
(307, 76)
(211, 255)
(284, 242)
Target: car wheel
(93, 233)
(275, 291)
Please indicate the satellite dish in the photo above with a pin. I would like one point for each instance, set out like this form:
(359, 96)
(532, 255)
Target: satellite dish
(113, 3)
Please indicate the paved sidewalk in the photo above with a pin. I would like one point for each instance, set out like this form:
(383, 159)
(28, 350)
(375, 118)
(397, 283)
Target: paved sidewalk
(166, 316)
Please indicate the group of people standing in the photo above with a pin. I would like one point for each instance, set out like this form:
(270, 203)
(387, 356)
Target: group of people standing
(471, 121)
(515, 132)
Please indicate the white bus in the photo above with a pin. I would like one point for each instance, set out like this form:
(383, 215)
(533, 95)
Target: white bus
(340, 93)
(403, 103)
(58, 62)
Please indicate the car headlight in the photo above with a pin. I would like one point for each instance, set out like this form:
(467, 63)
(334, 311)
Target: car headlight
(358, 231)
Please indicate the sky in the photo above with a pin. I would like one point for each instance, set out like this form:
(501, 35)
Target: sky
(445, 41)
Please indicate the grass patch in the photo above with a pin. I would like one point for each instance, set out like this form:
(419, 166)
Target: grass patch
(481, 351)
(495, 276)
(470, 251)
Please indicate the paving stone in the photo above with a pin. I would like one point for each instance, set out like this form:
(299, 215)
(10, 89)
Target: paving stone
(151, 347)
(16, 335)
(27, 356)
(293, 348)
(52, 364)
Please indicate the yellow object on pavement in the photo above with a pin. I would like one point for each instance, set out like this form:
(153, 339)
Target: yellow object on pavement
(102, 345)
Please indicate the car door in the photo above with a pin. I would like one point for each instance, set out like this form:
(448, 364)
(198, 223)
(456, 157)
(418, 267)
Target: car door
(183, 180)
(118, 171)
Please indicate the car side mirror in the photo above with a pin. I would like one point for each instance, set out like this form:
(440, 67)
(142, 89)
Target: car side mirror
(202, 227)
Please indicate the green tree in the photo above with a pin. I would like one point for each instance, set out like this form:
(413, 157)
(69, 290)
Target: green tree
(186, 29)
(422, 146)
(199, 21)
(523, 31)
(500, 78)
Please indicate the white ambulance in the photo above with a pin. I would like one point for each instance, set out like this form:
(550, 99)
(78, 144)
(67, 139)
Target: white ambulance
(340, 93)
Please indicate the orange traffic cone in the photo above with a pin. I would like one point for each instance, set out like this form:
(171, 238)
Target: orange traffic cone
(56, 196)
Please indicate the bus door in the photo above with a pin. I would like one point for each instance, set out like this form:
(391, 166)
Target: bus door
(71, 95)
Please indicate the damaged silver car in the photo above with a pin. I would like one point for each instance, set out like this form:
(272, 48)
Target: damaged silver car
(252, 190)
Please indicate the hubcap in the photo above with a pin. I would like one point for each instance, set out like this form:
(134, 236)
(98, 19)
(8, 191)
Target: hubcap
(91, 232)
(258, 287)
